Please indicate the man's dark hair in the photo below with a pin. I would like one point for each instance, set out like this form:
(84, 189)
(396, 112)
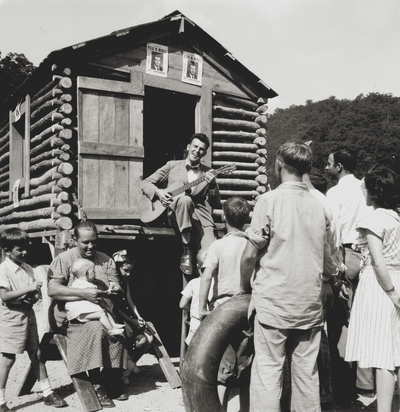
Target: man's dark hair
(84, 225)
(202, 137)
(297, 157)
(12, 237)
(236, 211)
(346, 158)
(383, 187)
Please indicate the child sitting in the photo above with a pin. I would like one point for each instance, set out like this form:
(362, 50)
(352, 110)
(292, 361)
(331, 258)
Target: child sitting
(138, 335)
(83, 310)
(223, 264)
(190, 297)
(18, 292)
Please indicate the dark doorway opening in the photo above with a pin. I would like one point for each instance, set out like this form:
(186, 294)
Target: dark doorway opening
(168, 122)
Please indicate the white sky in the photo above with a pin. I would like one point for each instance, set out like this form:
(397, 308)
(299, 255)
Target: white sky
(303, 49)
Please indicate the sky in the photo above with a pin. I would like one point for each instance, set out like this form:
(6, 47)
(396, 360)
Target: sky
(303, 49)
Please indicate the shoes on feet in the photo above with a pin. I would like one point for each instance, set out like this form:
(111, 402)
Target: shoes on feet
(186, 261)
(121, 397)
(54, 400)
(105, 401)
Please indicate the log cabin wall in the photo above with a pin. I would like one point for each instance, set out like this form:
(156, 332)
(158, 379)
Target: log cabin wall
(43, 199)
(239, 136)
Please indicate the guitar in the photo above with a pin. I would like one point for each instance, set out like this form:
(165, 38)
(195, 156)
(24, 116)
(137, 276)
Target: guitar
(150, 210)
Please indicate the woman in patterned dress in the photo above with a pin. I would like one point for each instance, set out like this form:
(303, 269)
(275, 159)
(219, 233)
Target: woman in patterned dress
(374, 329)
(89, 346)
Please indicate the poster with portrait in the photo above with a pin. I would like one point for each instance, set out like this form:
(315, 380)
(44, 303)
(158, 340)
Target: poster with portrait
(157, 59)
(192, 68)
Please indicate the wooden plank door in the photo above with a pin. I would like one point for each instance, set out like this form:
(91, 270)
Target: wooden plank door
(110, 147)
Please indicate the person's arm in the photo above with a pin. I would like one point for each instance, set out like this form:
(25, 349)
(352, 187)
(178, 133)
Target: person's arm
(151, 185)
(375, 246)
(205, 285)
(7, 295)
(66, 294)
(184, 304)
(247, 266)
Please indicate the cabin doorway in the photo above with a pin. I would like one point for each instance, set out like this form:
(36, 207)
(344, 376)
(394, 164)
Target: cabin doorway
(168, 123)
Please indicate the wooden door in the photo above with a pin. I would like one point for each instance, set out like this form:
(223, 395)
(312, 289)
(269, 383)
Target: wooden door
(110, 147)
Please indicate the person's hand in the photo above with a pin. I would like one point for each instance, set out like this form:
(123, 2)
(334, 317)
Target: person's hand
(164, 197)
(114, 288)
(210, 176)
(394, 296)
(203, 314)
(93, 295)
(139, 323)
(35, 286)
(343, 292)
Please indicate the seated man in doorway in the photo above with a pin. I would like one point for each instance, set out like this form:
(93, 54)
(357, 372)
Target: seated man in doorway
(190, 213)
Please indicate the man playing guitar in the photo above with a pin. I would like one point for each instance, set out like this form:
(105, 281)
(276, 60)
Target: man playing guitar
(190, 213)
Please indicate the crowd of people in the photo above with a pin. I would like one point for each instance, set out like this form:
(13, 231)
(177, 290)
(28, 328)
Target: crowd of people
(312, 263)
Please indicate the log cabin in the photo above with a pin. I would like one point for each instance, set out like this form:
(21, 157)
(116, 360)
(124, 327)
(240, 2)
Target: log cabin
(97, 117)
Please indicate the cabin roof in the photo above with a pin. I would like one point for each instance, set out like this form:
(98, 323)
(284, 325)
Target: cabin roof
(172, 24)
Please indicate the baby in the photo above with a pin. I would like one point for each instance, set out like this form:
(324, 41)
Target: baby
(83, 310)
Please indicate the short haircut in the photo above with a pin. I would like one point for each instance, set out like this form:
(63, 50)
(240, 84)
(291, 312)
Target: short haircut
(84, 225)
(236, 211)
(202, 137)
(80, 265)
(297, 157)
(201, 257)
(319, 181)
(382, 185)
(12, 237)
(346, 158)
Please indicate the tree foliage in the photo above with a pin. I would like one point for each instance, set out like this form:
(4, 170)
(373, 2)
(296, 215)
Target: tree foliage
(368, 125)
(15, 68)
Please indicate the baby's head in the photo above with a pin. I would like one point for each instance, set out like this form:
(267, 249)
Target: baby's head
(123, 263)
(201, 257)
(83, 269)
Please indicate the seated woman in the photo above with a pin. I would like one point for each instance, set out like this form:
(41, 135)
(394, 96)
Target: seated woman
(139, 338)
(89, 346)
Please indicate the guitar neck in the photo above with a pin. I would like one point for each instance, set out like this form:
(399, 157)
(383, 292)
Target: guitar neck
(188, 186)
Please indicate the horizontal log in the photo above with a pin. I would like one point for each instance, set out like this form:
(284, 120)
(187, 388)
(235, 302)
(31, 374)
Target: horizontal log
(5, 176)
(262, 170)
(251, 203)
(61, 155)
(262, 100)
(231, 183)
(4, 195)
(63, 223)
(66, 121)
(30, 203)
(5, 148)
(51, 94)
(50, 187)
(66, 108)
(5, 158)
(247, 147)
(57, 70)
(262, 131)
(63, 82)
(233, 113)
(64, 183)
(64, 209)
(4, 168)
(262, 152)
(261, 161)
(52, 130)
(260, 141)
(44, 122)
(45, 178)
(4, 185)
(262, 120)
(52, 141)
(49, 86)
(65, 169)
(239, 165)
(4, 127)
(45, 164)
(244, 174)
(28, 215)
(262, 179)
(262, 109)
(60, 198)
(235, 155)
(45, 108)
(66, 97)
(223, 134)
(6, 202)
(235, 101)
(66, 134)
(240, 125)
(4, 138)
(261, 189)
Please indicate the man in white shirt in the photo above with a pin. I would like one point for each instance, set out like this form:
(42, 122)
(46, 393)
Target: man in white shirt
(348, 205)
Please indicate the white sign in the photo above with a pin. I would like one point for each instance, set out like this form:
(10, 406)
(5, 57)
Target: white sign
(192, 68)
(157, 59)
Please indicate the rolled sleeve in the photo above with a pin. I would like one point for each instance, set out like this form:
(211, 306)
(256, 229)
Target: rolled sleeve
(256, 239)
(259, 232)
